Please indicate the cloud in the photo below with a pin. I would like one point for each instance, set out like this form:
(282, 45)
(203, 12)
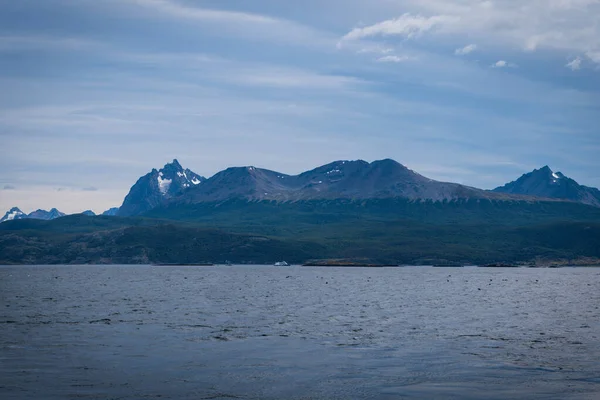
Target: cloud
(503, 64)
(575, 64)
(406, 25)
(9, 187)
(594, 56)
(375, 49)
(394, 59)
(465, 50)
(178, 10)
(563, 26)
(290, 78)
(61, 189)
(90, 189)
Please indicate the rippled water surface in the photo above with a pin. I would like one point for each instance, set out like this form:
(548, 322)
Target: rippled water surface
(141, 332)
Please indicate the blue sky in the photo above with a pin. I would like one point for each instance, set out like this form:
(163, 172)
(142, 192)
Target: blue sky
(95, 93)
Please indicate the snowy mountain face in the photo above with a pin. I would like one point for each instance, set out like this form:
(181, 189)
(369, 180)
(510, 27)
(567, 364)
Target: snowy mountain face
(158, 186)
(13, 214)
(89, 213)
(544, 182)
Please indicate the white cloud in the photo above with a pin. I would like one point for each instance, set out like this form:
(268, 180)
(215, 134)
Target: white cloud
(503, 64)
(375, 49)
(291, 78)
(575, 64)
(565, 26)
(594, 56)
(394, 59)
(407, 25)
(178, 10)
(465, 50)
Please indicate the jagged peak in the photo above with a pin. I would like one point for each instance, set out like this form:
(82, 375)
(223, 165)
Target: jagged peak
(174, 163)
(547, 173)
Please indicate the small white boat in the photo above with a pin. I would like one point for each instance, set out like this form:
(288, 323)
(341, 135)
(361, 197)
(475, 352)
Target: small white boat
(282, 264)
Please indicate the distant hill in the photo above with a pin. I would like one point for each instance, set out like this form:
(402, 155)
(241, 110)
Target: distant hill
(264, 232)
(546, 183)
(113, 240)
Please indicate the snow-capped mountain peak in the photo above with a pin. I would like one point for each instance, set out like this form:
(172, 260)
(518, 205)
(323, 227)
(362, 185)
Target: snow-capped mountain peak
(172, 179)
(159, 186)
(13, 214)
(544, 182)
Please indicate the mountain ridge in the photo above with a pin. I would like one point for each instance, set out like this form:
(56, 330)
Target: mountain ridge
(15, 214)
(342, 179)
(337, 180)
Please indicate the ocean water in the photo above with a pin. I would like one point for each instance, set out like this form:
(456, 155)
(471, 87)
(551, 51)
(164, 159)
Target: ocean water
(256, 332)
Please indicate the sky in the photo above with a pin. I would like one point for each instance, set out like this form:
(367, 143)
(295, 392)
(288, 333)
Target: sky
(96, 93)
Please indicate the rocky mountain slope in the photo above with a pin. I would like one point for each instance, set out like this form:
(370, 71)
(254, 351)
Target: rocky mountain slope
(338, 180)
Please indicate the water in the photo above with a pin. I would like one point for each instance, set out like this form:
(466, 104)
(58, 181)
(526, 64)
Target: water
(141, 332)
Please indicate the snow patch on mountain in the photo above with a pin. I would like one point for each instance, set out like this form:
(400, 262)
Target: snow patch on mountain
(164, 184)
(12, 215)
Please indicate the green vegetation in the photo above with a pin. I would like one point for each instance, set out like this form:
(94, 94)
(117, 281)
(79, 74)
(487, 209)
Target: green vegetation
(374, 231)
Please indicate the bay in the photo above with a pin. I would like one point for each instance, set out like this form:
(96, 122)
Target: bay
(261, 332)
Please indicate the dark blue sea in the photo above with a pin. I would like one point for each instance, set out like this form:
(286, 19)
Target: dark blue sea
(257, 332)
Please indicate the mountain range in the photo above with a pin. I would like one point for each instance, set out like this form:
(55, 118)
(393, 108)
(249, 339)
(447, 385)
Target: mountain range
(356, 180)
(15, 214)
(378, 212)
